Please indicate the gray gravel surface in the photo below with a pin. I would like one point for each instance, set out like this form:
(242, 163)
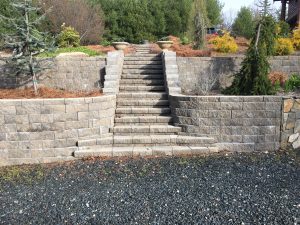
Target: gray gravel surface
(218, 189)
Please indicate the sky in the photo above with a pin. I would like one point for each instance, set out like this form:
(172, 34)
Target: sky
(235, 5)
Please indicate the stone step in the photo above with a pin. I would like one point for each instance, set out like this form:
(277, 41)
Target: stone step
(143, 62)
(143, 95)
(164, 140)
(152, 139)
(143, 67)
(141, 88)
(143, 71)
(143, 76)
(134, 102)
(142, 58)
(144, 119)
(132, 151)
(142, 55)
(145, 129)
(141, 111)
(140, 81)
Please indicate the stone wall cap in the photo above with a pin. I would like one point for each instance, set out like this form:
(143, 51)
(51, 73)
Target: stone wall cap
(72, 54)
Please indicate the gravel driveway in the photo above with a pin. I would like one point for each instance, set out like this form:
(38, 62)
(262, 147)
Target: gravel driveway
(219, 189)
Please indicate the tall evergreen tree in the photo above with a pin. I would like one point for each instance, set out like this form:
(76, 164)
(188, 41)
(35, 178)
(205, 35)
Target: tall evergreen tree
(5, 10)
(264, 7)
(252, 79)
(244, 24)
(214, 12)
(26, 41)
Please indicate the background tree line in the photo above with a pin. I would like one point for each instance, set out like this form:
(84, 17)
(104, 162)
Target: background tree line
(114, 20)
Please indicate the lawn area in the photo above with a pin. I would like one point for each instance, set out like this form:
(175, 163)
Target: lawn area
(218, 189)
(83, 49)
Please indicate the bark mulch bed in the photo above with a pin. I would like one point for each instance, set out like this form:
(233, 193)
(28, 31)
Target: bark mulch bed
(188, 51)
(45, 92)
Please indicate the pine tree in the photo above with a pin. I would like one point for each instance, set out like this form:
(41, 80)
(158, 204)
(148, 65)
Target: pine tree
(26, 41)
(252, 79)
(214, 10)
(264, 7)
(244, 24)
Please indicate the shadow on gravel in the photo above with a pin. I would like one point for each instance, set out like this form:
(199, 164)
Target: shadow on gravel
(218, 189)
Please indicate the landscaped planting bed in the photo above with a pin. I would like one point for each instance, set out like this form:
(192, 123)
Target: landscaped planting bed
(218, 189)
(45, 92)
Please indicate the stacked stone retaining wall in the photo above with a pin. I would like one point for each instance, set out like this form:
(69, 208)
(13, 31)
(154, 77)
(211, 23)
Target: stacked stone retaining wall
(290, 135)
(71, 73)
(237, 123)
(48, 129)
(194, 71)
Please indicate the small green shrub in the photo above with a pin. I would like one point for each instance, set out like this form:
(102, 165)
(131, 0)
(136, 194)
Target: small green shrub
(104, 42)
(283, 29)
(284, 46)
(277, 87)
(185, 40)
(68, 37)
(293, 83)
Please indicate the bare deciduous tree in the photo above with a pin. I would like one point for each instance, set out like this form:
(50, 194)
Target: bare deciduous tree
(228, 19)
(88, 20)
(206, 83)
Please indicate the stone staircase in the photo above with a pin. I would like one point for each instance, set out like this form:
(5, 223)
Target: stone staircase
(143, 121)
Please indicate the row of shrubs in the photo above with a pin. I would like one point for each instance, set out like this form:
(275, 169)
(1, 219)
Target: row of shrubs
(282, 82)
(287, 45)
(283, 45)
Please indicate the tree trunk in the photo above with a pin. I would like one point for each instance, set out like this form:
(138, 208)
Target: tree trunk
(31, 66)
(283, 10)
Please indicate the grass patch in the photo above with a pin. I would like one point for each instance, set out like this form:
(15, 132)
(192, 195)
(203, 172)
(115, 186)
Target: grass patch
(83, 49)
(22, 174)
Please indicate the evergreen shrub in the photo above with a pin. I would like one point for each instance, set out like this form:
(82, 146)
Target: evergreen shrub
(68, 37)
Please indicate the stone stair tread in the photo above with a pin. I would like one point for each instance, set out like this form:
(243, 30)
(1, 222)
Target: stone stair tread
(134, 110)
(144, 95)
(142, 58)
(98, 151)
(142, 55)
(134, 102)
(143, 119)
(142, 88)
(142, 71)
(146, 66)
(141, 82)
(142, 62)
(142, 76)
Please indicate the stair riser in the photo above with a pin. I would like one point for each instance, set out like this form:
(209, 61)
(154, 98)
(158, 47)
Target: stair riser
(143, 103)
(147, 96)
(142, 63)
(141, 82)
(140, 120)
(141, 140)
(159, 67)
(142, 58)
(138, 111)
(141, 88)
(141, 130)
(142, 77)
(142, 71)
